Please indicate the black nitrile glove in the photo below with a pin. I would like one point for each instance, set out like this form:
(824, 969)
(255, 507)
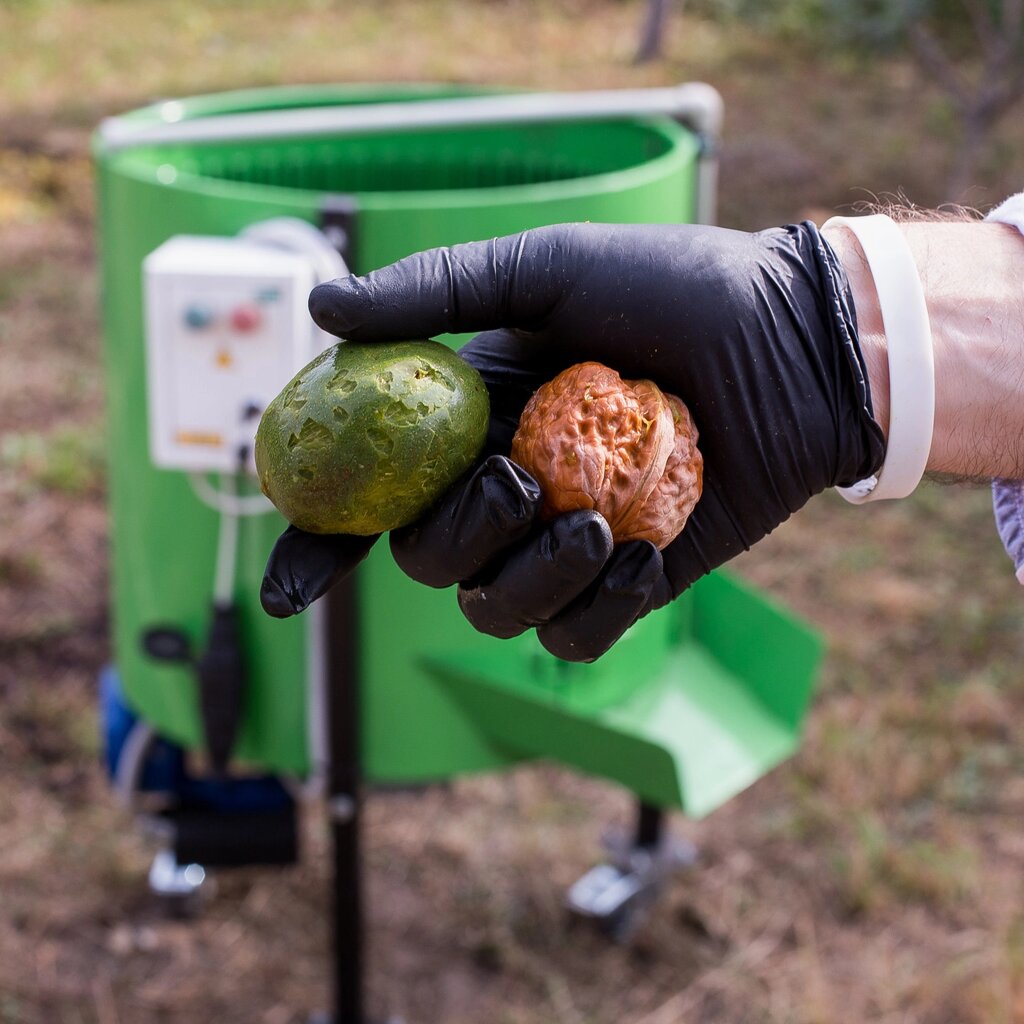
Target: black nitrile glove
(756, 333)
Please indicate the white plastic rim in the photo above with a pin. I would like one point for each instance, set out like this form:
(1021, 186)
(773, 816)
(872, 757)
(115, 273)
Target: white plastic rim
(695, 102)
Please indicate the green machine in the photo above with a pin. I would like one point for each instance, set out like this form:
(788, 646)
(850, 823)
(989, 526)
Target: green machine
(217, 214)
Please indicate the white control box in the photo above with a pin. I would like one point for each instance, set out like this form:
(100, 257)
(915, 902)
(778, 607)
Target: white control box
(227, 326)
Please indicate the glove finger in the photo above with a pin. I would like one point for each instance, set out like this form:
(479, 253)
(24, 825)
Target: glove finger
(592, 623)
(540, 577)
(304, 566)
(504, 282)
(471, 525)
(712, 536)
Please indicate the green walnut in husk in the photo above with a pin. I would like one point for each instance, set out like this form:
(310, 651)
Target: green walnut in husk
(366, 438)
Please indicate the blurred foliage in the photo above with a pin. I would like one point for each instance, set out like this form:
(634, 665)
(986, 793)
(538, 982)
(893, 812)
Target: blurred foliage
(972, 49)
(875, 24)
(793, 19)
(867, 26)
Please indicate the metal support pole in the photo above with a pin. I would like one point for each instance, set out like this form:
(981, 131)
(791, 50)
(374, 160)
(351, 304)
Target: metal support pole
(649, 822)
(343, 801)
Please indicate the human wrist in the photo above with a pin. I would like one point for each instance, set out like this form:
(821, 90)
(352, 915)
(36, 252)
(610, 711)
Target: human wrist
(971, 274)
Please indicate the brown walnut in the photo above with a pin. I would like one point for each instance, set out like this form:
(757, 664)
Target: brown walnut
(621, 447)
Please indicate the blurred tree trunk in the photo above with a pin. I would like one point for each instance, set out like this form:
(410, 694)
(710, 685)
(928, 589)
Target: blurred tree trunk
(653, 35)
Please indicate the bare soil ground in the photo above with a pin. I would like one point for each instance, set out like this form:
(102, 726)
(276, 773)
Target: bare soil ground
(876, 877)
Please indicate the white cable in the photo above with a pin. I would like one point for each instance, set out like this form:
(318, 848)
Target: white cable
(316, 702)
(911, 359)
(131, 762)
(227, 546)
(295, 235)
(232, 504)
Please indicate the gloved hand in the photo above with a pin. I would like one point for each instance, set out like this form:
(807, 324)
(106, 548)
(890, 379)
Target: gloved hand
(754, 332)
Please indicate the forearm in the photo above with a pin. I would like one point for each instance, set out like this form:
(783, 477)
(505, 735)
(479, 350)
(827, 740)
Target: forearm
(972, 274)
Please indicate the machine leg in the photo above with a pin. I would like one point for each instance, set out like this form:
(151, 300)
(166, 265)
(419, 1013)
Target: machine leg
(179, 887)
(618, 894)
(650, 822)
(347, 911)
(346, 915)
(344, 778)
(343, 798)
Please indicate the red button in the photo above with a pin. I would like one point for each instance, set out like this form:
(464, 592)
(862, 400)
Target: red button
(246, 318)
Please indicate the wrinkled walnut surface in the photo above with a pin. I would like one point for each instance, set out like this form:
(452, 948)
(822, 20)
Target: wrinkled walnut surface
(623, 448)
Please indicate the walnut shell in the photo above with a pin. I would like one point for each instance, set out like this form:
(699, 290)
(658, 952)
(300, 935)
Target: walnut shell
(623, 448)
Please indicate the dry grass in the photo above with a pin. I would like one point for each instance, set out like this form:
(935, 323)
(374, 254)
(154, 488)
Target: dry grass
(877, 877)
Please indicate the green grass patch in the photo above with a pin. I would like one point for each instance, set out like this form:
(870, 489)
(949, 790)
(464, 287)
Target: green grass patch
(68, 460)
(877, 868)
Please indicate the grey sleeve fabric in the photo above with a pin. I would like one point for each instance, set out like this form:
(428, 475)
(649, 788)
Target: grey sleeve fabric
(1008, 495)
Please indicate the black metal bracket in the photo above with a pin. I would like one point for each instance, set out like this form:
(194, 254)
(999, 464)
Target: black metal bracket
(618, 894)
(220, 674)
(338, 220)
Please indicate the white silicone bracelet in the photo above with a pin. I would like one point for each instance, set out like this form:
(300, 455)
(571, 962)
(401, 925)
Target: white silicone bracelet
(911, 361)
